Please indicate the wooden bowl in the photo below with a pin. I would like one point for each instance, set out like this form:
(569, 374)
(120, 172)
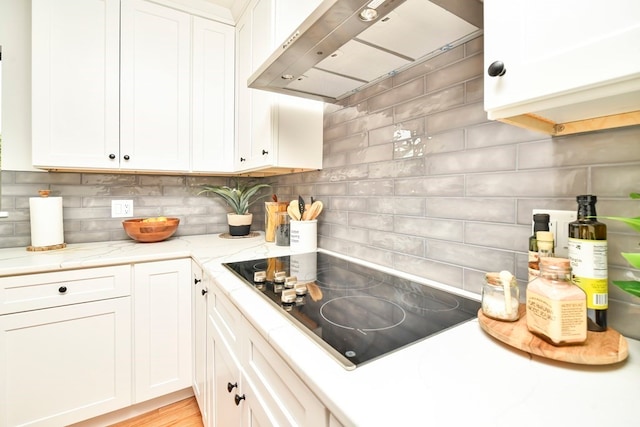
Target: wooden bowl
(150, 231)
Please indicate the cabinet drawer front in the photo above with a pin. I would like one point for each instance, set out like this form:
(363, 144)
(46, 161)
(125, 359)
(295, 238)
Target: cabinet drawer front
(34, 291)
(277, 386)
(225, 316)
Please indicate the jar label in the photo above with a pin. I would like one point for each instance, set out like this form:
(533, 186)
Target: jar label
(562, 321)
(589, 270)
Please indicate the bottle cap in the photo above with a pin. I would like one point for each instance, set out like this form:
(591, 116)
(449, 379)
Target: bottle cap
(586, 198)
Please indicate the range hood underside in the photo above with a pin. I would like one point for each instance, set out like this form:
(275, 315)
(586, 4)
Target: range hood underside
(329, 64)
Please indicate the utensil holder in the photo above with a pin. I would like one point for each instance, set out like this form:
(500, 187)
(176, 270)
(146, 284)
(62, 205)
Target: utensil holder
(271, 210)
(303, 236)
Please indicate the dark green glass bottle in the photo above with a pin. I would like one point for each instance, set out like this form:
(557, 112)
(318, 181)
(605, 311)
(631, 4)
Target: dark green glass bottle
(588, 255)
(540, 223)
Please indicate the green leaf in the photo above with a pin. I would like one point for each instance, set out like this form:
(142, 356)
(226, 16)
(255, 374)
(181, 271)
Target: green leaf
(635, 195)
(632, 287)
(631, 222)
(632, 258)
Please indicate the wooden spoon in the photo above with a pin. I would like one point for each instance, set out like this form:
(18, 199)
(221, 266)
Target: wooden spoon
(293, 210)
(314, 210)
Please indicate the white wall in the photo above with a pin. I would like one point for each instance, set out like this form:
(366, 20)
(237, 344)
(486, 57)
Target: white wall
(15, 38)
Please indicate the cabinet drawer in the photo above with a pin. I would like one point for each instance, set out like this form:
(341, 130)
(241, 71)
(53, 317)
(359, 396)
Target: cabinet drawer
(35, 291)
(290, 401)
(225, 316)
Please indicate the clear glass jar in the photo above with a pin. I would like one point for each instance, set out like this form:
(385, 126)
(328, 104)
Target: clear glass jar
(556, 308)
(498, 301)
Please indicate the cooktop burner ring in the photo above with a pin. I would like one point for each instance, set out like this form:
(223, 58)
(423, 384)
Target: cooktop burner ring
(360, 282)
(452, 304)
(396, 307)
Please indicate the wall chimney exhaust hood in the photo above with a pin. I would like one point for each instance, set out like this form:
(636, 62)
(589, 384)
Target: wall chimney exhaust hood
(347, 45)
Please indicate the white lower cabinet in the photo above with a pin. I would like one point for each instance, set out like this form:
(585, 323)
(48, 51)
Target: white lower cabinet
(248, 383)
(65, 363)
(162, 328)
(200, 287)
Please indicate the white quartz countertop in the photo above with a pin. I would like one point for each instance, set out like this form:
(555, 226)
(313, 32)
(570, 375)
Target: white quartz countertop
(458, 377)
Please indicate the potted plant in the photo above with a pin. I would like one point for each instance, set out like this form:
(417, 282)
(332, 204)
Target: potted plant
(240, 197)
(633, 258)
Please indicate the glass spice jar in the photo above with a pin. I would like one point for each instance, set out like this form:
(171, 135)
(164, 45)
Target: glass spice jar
(500, 302)
(556, 308)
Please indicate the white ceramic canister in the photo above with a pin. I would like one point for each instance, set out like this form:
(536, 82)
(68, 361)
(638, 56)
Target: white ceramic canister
(303, 235)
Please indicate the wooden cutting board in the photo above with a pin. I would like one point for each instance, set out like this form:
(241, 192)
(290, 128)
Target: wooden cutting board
(600, 348)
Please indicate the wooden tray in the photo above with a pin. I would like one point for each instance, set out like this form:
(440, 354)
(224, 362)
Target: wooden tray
(600, 348)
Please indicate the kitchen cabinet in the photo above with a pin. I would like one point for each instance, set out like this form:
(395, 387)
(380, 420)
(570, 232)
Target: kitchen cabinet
(567, 68)
(75, 83)
(131, 85)
(65, 346)
(200, 288)
(273, 132)
(162, 328)
(155, 87)
(249, 383)
(213, 95)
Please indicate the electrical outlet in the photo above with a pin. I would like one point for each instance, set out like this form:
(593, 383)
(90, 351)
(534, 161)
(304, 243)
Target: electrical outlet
(121, 208)
(559, 226)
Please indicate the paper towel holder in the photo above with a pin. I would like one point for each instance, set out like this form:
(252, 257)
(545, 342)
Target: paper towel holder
(45, 194)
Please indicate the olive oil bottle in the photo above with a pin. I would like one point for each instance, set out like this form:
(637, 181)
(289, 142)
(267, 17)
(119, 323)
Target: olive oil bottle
(588, 254)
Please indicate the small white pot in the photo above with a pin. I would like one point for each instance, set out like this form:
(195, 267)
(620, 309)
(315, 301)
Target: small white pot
(239, 225)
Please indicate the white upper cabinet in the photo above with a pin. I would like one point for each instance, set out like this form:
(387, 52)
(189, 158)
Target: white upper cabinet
(131, 85)
(273, 132)
(155, 87)
(75, 77)
(566, 66)
(213, 96)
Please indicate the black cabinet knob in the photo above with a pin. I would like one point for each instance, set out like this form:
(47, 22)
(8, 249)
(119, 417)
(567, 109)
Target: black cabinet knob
(239, 399)
(196, 281)
(62, 289)
(231, 386)
(204, 292)
(112, 156)
(496, 69)
(265, 152)
(242, 159)
(126, 157)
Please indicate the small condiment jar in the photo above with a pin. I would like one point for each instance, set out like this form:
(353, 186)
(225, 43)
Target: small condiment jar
(500, 302)
(556, 307)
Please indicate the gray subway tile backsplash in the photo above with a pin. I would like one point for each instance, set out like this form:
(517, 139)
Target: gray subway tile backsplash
(449, 207)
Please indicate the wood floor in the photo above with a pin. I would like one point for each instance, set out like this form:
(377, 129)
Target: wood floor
(184, 413)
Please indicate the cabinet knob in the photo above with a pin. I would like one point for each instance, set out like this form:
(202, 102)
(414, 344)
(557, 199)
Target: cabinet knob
(112, 156)
(196, 281)
(204, 292)
(231, 386)
(242, 159)
(239, 399)
(126, 157)
(496, 69)
(265, 152)
(62, 289)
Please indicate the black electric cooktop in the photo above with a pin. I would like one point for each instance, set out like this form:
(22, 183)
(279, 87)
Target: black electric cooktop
(355, 312)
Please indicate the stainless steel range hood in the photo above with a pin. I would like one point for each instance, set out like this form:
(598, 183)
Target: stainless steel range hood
(334, 53)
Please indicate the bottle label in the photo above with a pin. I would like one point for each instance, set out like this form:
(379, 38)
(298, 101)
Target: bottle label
(562, 321)
(589, 270)
(534, 265)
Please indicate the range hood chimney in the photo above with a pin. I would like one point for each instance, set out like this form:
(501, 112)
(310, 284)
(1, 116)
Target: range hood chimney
(345, 46)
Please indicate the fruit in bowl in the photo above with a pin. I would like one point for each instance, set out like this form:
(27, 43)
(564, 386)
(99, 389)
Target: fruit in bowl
(148, 230)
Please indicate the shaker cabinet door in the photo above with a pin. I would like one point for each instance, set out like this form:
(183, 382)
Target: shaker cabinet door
(162, 328)
(75, 83)
(65, 364)
(155, 87)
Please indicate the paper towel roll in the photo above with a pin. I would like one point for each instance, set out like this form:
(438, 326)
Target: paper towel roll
(46, 221)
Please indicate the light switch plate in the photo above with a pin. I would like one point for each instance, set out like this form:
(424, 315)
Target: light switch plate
(121, 208)
(559, 226)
